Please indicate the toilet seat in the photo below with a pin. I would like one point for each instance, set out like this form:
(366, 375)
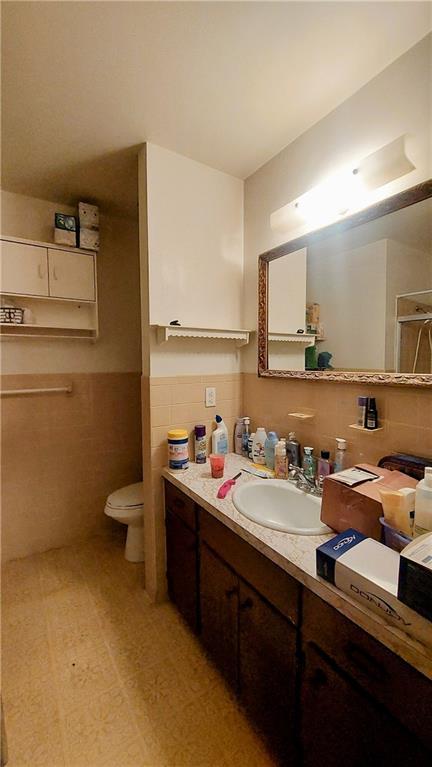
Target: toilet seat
(127, 506)
(127, 498)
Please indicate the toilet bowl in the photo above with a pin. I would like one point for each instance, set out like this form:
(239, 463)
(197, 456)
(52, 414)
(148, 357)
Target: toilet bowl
(126, 505)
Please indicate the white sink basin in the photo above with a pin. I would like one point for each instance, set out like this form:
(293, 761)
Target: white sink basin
(280, 505)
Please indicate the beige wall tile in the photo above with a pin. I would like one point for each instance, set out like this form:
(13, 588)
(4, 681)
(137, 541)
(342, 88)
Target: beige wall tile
(63, 454)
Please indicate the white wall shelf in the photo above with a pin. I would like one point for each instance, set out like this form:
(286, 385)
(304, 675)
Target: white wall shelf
(302, 416)
(293, 338)
(363, 428)
(164, 332)
(57, 284)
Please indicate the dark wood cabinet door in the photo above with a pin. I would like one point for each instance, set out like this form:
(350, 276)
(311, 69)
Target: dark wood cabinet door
(340, 724)
(267, 651)
(182, 568)
(219, 613)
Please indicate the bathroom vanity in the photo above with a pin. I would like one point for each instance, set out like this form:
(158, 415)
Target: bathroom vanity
(321, 678)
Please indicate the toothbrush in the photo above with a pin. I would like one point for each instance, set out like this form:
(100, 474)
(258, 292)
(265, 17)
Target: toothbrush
(226, 486)
(258, 473)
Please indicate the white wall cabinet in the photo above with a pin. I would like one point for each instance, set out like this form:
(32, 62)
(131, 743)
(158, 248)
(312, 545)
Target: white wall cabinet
(57, 285)
(24, 269)
(71, 275)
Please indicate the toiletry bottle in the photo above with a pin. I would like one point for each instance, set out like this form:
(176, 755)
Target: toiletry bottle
(238, 435)
(245, 437)
(269, 449)
(293, 449)
(220, 437)
(200, 444)
(280, 460)
(423, 504)
(362, 403)
(250, 445)
(309, 462)
(324, 465)
(371, 414)
(258, 445)
(341, 446)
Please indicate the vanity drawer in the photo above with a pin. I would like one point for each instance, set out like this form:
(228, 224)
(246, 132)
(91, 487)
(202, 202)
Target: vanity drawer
(181, 505)
(404, 692)
(273, 583)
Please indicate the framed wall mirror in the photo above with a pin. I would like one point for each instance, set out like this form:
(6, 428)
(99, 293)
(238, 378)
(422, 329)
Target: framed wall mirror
(352, 301)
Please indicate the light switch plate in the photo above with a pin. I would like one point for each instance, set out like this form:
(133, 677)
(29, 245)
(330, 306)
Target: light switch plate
(210, 396)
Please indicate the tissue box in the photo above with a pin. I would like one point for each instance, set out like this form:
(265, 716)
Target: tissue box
(368, 572)
(359, 507)
(415, 575)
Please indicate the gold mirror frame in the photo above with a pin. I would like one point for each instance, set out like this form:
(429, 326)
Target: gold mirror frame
(398, 201)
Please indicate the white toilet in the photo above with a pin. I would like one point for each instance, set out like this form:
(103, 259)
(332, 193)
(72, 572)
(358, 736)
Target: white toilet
(126, 505)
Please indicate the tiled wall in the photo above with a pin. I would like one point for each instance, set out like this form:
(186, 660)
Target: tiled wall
(63, 454)
(178, 403)
(404, 412)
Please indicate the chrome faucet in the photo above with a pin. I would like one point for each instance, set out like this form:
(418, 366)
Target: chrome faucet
(308, 484)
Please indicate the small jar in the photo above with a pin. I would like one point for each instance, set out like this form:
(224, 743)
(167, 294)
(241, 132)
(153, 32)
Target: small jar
(200, 444)
(178, 449)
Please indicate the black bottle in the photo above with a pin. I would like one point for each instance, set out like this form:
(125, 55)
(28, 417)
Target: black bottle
(371, 414)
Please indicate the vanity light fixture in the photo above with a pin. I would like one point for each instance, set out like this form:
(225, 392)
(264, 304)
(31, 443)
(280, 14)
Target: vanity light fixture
(347, 191)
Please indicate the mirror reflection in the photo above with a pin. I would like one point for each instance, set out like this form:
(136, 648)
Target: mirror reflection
(359, 301)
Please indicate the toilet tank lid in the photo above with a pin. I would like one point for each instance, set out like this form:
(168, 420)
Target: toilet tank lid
(131, 495)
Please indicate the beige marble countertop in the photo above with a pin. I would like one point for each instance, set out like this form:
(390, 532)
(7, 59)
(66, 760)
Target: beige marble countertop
(293, 553)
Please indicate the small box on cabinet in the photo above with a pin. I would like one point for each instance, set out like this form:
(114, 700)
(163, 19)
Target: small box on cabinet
(65, 227)
(89, 239)
(88, 216)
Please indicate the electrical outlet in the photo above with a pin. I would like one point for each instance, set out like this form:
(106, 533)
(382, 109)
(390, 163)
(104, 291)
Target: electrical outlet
(210, 396)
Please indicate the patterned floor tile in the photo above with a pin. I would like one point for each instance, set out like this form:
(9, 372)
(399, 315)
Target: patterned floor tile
(96, 676)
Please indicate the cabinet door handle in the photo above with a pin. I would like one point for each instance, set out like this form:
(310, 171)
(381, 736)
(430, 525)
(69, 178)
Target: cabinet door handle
(318, 678)
(230, 592)
(247, 604)
(40, 272)
(55, 273)
(367, 664)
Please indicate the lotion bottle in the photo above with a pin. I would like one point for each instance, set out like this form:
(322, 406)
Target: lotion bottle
(293, 449)
(269, 449)
(220, 437)
(341, 446)
(281, 460)
(423, 504)
(258, 445)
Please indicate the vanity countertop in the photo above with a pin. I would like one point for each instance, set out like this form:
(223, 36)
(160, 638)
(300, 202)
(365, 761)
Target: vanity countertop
(293, 553)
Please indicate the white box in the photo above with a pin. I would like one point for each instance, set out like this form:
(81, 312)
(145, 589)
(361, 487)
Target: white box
(369, 571)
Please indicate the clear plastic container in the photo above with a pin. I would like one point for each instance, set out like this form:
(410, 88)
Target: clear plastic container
(394, 539)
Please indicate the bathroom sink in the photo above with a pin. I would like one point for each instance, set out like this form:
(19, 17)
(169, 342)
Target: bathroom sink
(281, 506)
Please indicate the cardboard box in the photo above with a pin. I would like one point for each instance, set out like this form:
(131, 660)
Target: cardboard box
(359, 507)
(369, 571)
(415, 575)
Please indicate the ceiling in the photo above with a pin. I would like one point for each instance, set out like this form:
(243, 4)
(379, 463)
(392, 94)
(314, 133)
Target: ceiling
(228, 84)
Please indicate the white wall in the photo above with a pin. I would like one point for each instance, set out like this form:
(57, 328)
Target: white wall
(118, 348)
(195, 259)
(396, 102)
(350, 286)
(409, 270)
